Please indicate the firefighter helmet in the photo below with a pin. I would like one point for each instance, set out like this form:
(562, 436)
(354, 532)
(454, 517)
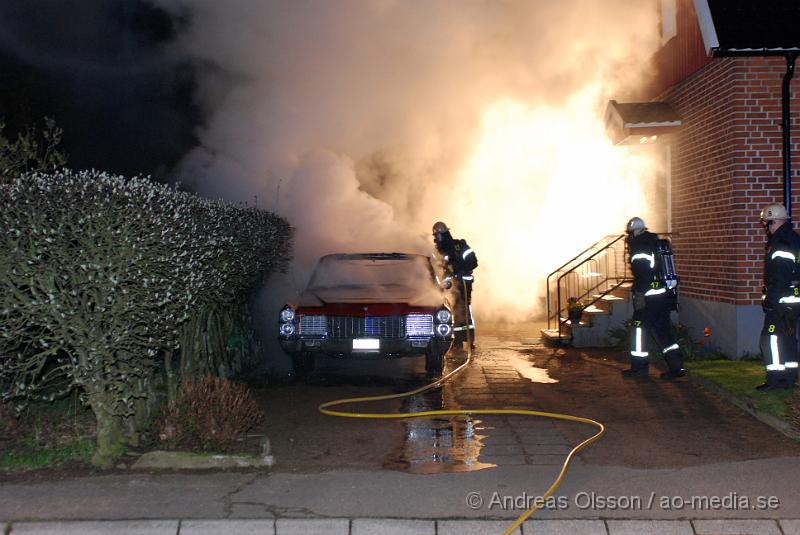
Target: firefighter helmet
(635, 226)
(774, 212)
(439, 227)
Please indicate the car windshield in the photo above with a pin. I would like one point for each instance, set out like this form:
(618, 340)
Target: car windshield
(358, 271)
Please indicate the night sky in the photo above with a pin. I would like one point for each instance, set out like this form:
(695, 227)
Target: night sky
(101, 69)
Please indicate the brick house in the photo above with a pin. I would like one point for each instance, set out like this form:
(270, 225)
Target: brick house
(721, 68)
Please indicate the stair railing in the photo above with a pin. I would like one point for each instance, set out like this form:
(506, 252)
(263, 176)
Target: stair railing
(594, 273)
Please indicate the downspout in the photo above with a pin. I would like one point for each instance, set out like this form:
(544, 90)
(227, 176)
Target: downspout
(787, 146)
(668, 172)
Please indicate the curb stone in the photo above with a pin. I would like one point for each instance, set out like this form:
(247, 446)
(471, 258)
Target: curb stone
(473, 527)
(736, 527)
(233, 526)
(96, 527)
(393, 526)
(377, 526)
(651, 527)
(563, 527)
(790, 527)
(332, 526)
(179, 460)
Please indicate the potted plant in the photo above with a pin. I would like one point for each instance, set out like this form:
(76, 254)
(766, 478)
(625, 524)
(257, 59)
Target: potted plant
(574, 310)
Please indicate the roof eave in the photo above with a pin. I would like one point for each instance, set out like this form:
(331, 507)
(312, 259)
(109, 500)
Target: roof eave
(707, 28)
(749, 52)
(659, 124)
(627, 132)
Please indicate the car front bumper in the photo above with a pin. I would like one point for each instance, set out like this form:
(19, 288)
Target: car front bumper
(344, 347)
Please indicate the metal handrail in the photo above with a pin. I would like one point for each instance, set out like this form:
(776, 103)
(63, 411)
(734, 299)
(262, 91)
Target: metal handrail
(591, 275)
(576, 260)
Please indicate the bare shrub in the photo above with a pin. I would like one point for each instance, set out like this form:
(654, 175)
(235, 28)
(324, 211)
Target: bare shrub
(9, 421)
(209, 414)
(31, 151)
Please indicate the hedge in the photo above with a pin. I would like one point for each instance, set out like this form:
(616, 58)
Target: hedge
(102, 276)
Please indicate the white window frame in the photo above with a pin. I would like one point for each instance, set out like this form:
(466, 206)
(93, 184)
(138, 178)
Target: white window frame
(669, 20)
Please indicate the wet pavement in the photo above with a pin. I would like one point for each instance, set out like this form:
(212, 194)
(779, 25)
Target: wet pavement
(439, 445)
(663, 440)
(499, 377)
(651, 423)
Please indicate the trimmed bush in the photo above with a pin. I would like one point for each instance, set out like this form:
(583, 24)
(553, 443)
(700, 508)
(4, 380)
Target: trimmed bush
(98, 276)
(247, 244)
(208, 414)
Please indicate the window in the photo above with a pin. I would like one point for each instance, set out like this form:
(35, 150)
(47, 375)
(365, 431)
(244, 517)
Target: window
(669, 20)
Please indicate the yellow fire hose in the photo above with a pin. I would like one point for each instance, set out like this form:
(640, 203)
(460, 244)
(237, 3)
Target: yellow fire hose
(323, 408)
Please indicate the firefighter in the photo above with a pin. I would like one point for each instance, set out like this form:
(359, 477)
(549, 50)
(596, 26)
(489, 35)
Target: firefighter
(652, 295)
(780, 299)
(457, 261)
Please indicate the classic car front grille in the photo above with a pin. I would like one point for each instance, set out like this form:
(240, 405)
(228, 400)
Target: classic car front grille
(419, 325)
(344, 327)
(313, 325)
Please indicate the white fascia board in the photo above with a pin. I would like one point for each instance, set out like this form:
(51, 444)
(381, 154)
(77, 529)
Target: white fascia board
(782, 49)
(706, 25)
(650, 125)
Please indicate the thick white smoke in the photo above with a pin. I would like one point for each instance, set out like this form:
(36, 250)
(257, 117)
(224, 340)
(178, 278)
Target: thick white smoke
(364, 121)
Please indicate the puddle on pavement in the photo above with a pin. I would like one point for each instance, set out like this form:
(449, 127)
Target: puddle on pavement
(437, 445)
(525, 367)
(451, 444)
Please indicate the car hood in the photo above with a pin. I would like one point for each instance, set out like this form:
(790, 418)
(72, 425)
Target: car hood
(429, 297)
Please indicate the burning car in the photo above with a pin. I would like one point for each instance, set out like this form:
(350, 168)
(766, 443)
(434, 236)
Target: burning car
(369, 305)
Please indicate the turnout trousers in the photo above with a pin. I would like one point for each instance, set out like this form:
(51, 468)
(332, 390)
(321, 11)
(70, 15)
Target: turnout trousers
(653, 319)
(462, 315)
(778, 344)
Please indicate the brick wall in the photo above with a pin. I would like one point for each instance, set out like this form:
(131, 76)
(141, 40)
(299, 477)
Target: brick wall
(726, 165)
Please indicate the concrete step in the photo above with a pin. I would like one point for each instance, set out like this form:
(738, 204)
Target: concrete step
(568, 323)
(598, 308)
(610, 311)
(606, 314)
(550, 336)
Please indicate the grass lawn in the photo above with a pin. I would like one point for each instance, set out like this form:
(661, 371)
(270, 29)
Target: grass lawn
(46, 435)
(34, 457)
(740, 377)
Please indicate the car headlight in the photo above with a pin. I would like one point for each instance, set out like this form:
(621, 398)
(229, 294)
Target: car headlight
(443, 330)
(287, 329)
(443, 316)
(287, 314)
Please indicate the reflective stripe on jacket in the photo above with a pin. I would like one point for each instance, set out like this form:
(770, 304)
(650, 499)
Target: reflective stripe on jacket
(780, 264)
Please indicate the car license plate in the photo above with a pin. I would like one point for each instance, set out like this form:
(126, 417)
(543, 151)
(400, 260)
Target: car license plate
(366, 344)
